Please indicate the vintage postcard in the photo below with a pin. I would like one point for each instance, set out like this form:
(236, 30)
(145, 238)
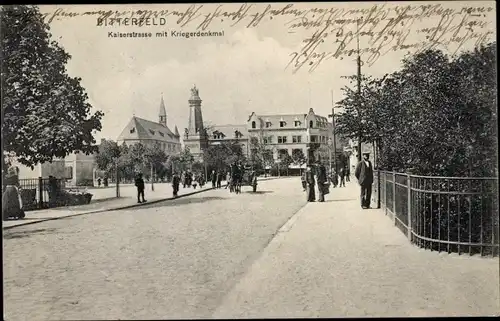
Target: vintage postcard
(250, 160)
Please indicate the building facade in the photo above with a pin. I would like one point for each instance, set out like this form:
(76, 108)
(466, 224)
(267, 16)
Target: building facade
(286, 133)
(149, 133)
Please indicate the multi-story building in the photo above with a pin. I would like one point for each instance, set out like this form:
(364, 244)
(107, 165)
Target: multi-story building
(146, 132)
(286, 133)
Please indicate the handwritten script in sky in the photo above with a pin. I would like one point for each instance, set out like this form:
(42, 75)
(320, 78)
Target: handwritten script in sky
(333, 32)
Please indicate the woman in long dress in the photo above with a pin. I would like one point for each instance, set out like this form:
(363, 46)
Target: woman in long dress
(311, 195)
(11, 198)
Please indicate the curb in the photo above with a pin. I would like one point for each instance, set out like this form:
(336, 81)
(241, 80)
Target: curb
(122, 207)
(109, 209)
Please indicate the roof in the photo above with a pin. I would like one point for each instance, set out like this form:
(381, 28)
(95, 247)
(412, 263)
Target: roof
(228, 131)
(289, 119)
(139, 129)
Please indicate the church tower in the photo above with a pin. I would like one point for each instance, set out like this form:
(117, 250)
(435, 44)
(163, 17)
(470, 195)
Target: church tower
(162, 115)
(194, 135)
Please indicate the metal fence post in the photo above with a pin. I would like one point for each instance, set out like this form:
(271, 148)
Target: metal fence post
(40, 193)
(394, 196)
(408, 182)
(378, 188)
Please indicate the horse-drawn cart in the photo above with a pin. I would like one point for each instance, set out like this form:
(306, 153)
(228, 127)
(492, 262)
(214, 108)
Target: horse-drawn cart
(247, 177)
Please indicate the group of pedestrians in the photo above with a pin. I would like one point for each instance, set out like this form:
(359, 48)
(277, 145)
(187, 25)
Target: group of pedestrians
(316, 175)
(187, 178)
(216, 178)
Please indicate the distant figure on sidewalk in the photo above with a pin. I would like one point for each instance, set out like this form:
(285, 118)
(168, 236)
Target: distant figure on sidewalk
(228, 180)
(322, 180)
(311, 194)
(195, 181)
(342, 177)
(347, 174)
(99, 182)
(219, 179)
(139, 183)
(213, 178)
(12, 205)
(364, 174)
(303, 181)
(176, 181)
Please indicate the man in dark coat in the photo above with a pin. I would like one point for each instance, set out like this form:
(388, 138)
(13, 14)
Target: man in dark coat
(364, 174)
(322, 179)
(342, 177)
(139, 183)
(176, 181)
(219, 179)
(213, 178)
(311, 195)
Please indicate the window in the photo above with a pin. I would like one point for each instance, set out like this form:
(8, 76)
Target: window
(265, 140)
(297, 123)
(268, 124)
(152, 132)
(270, 139)
(282, 123)
(297, 139)
(132, 130)
(281, 139)
(311, 124)
(282, 152)
(254, 124)
(314, 139)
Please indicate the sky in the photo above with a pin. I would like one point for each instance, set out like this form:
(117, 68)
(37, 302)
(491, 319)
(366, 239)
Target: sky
(244, 70)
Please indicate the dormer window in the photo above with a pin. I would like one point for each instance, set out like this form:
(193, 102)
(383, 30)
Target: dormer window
(254, 124)
(132, 130)
(297, 123)
(311, 124)
(268, 124)
(282, 123)
(152, 132)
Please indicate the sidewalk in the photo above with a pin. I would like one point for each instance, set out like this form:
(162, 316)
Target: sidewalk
(162, 192)
(334, 259)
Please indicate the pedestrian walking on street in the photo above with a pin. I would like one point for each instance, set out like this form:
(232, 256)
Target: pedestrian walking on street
(322, 180)
(311, 195)
(213, 178)
(195, 182)
(99, 182)
(228, 179)
(12, 205)
(219, 179)
(364, 174)
(342, 177)
(139, 183)
(347, 174)
(176, 181)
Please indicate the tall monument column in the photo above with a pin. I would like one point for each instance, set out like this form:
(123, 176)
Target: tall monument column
(194, 135)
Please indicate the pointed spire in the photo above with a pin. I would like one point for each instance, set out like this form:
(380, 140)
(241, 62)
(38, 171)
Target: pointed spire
(163, 112)
(176, 131)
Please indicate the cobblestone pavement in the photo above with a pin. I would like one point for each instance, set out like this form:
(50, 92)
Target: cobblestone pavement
(334, 259)
(174, 259)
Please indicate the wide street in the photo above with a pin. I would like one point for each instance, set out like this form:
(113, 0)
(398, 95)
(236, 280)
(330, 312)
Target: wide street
(220, 255)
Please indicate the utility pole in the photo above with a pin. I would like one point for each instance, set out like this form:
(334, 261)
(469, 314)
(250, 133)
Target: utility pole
(152, 179)
(334, 137)
(117, 179)
(359, 90)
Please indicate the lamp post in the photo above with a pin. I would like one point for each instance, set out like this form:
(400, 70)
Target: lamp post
(332, 115)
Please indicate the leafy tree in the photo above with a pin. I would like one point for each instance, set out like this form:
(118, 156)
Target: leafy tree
(186, 159)
(108, 154)
(285, 162)
(435, 116)
(298, 158)
(222, 155)
(45, 112)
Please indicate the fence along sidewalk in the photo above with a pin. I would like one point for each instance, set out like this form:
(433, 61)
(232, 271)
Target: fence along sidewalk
(453, 214)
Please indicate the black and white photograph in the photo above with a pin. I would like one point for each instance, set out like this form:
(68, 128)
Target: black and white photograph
(249, 160)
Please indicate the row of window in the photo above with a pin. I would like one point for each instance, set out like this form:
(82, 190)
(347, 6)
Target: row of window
(297, 123)
(151, 131)
(295, 139)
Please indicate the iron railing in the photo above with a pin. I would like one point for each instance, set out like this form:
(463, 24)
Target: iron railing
(452, 214)
(37, 194)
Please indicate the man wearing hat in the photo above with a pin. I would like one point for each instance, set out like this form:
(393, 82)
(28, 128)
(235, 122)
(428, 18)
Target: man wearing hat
(364, 174)
(310, 184)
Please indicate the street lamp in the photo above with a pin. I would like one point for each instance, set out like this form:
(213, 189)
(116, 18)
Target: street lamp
(332, 115)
